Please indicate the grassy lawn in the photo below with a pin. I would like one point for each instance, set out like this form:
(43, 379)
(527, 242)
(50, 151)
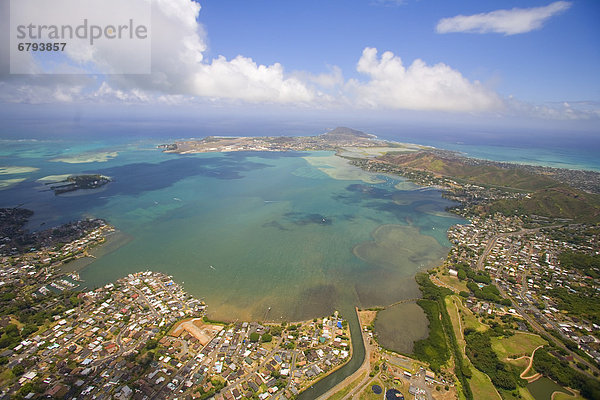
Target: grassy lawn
(564, 396)
(453, 281)
(339, 395)
(451, 302)
(481, 385)
(6, 376)
(521, 364)
(367, 393)
(508, 394)
(525, 395)
(470, 320)
(519, 344)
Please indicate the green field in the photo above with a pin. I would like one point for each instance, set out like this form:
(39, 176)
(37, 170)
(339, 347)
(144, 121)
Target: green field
(453, 282)
(451, 302)
(469, 320)
(481, 385)
(519, 344)
(564, 396)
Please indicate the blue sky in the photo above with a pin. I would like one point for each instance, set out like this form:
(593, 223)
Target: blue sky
(494, 63)
(558, 62)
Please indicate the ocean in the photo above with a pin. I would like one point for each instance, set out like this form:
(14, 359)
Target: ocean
(256, 235)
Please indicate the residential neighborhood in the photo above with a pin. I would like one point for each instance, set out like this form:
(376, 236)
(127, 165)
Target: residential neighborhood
(525, 265)
(144, 337)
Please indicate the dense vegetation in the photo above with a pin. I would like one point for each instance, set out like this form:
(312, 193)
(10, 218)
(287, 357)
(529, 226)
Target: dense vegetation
(578, 237)
(563, 374)
(480, 352)
(586, 263)
(561, 202)
(583, 304)
(474, 279)
(434, 349)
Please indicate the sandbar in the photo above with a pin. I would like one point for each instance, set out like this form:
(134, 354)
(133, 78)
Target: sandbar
(54, 178)
(6, 183)
(340, 169)
(87, 157)
(17, 170)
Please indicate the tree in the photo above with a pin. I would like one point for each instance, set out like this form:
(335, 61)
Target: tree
(254, 336)
(266, 337)
(18, 370)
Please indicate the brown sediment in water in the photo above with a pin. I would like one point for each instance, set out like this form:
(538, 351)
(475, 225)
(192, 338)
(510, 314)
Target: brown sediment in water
(397, 252)
(399, 326)
(399, 247)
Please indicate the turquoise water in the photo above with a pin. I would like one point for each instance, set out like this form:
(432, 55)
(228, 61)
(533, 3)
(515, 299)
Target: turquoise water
(567, 150)
(550, 157)
(257, 235)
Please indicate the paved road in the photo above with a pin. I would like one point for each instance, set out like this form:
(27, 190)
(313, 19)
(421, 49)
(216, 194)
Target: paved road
(519, 309)
(540, 329)
(492, 241)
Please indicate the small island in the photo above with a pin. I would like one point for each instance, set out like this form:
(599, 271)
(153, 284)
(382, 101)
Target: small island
(77, 182)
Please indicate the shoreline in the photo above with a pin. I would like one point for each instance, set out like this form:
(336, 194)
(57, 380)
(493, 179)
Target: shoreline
(112, 241)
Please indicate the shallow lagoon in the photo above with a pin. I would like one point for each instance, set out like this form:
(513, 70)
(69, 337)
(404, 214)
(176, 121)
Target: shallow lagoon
(257, 235)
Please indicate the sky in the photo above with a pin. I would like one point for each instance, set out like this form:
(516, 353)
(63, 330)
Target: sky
(505, 64)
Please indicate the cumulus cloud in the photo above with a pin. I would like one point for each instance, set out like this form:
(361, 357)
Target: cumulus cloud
(181, 74)
(178, 65)
(419, 86)
(241, 78)
(508, 22)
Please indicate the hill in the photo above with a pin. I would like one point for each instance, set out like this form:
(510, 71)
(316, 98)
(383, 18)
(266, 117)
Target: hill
(561, 202)
(545, 196)
(470, 170)
(343, 133)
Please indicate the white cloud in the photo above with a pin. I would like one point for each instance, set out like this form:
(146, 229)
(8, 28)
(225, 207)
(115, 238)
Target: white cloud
(241, 78)
(182, 75)
(418, 87)
(580, 110)
(508, 22)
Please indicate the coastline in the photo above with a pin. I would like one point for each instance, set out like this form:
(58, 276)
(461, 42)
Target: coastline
(112, 242)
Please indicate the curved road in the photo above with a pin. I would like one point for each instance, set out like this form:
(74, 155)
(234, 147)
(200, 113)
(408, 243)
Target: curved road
(534, 324)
